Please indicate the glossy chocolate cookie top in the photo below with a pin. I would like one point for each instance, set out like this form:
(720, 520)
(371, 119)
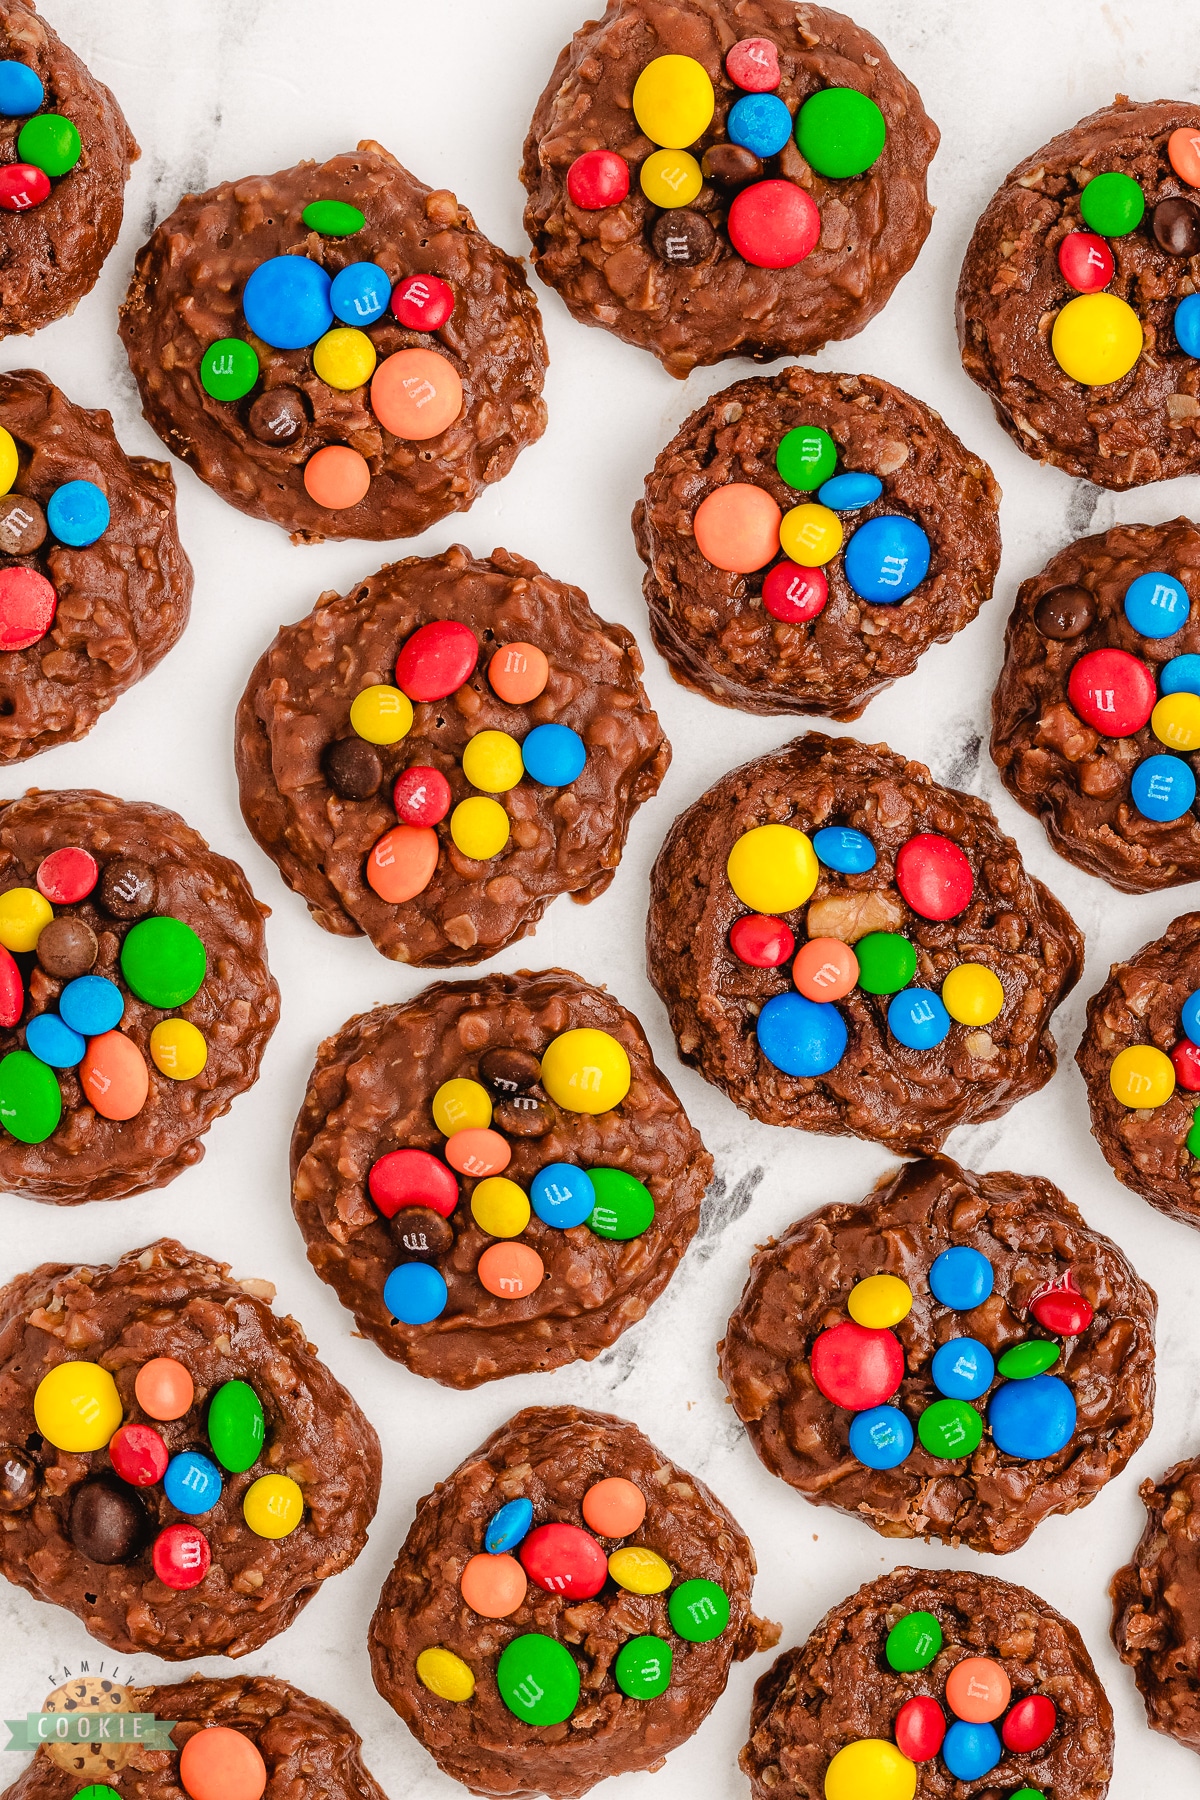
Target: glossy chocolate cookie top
(1156, 1605)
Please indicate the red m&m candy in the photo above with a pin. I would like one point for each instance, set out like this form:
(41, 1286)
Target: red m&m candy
(761, 941)
(421, 796)
(437, 659)
(597, 179)
(920, 1728)
(1086, 262)
(753, 65)
(412, 1178)
(68, 875)
(1112, 691)
(181, 1556)
(12, 990)
(934, 876)
(22, 186)
(857, 1367)
(27, 606)
(1061, 1308)
(423, 302)
(1186, 1058)
(564, 1559)
(138, 1454)
(1030, 1723)
(794, 594)
(773, 224)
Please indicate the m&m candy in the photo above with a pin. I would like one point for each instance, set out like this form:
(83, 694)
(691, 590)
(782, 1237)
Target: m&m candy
(273, 1506)
(800, 1036)
(856, 1367)
(879, 1301)
(493, 1585)
(977, 1689)
(1185, 1060)
(10, 465)
(1096, 339)
(1032, 1419)
(192, 1483)
(753, 65)
(934, 876)
(336, 477)
(1181, 675)
(163, 1388)
(846, 493)
(381, 714)
(444, 1674)
(1030, 1724)
(760, 941)
(962, 1368)
(437, 660)
(673, 101)
(421, 796)
(772, 868)
(870, 1769)
(236, 1426)
(181, 1557)
(970, 1751)
(670, 178)
(164, 962)
(91, 1004)
(228, 369)
(624, 1205)
(793, 594)
(12, 990)
(416, 394)
(479, 827)
(500, 1207)
(597, 179)
(773, 224)
(639, 1570)
(961, 1278)
(178, 1049)
(415, 1292)
(506, 1528)
(881, 1437)
(643, 1667)
(586, 1071)
(887, 962)
(461, 1105)
(114, 1076)
(698, 1611)
(887, 558)
(22, 186)
(1175, 721)
(518, 673)
(412, 1178)
(563, 1559)
(76, 1406)
(510, 1271)
(913, 1642)
(614, 1507)
(806, 457)
(1112, 204)
(810, 534)
(1163, 788)
(286, 302)
(138, 1455)
(917, 1019)
(825, 969)
(423, 302)
(402, 863)
(24, 914)
(736, 527)
(28, 603)
(1086, 262)
(30, 1098)
(50, 142)
(1156, 604)
(973, 994)
(21, 90)
(491, 760)
(840, 131)
(760, 122)
(220, 1763)
(538, 1679)
(54, 1042)
(359, 293)
(553, 755)
(920, 1728)
(344, 358)
(1112, 691)
(1022, 1361)
(67, 876)
(1142, 1076)
(950, 1429)
(333, 218)
(562, 1195)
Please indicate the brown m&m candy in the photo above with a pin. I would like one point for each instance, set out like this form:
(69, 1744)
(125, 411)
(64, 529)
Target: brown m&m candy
(730, 164)
(422, 1234)
(278, 416)
(107, 1522)
(127, 888)
(18, 1479)
(354, 767)
(523, 1115)
(682, 237)
(1176, 227)
(509, 1071)
(22, 525)
(66, 947)
(1065, 612)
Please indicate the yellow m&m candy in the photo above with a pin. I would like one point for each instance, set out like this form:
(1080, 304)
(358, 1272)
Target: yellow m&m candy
(772, 868)
(461, 1105)
(24, 912)
(492, 761)
(344, 357)
(9, 464)
(871, 1769)
(77, 1406)
(445, 1674)
(671, 178)
(1142, 1077)
(639, 1571)
(973, 994)
(178, 1049)
(586, 1071)
(1096, 338)
(500, 1207)
(810, 535)
(673, 101)
(1175, 721)
(273, 1506)
(479, 827)
(382, 714)
(879, 1301)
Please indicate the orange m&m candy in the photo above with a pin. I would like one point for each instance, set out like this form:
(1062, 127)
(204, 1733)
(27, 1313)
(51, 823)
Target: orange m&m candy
(518, 673)
(977, 1689)
(478, 1152)
(114, 1076)
(163, 1388)
(401, 864)
(825, 969)
(493, 1586)
(1183, 153)
(510, 1270)
(737, 527)
(336, 477)
(416, 394)
(219, 1763)
(614, 1507)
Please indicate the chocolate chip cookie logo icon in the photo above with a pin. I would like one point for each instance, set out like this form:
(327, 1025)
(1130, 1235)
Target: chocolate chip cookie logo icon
(88, 1726)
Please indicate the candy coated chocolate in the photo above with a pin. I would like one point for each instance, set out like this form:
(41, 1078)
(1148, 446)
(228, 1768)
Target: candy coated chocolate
(66, 947)
(354, 767)
(22, 525)
(107, 1522)
(128, 888)
(278, 416)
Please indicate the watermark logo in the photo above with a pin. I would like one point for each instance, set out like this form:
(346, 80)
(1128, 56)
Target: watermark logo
(88, 1724)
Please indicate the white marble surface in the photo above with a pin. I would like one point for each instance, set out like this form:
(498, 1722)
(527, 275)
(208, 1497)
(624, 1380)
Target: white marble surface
(233, 87)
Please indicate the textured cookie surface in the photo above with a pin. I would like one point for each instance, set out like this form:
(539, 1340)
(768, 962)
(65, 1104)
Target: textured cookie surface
(1156, 1605)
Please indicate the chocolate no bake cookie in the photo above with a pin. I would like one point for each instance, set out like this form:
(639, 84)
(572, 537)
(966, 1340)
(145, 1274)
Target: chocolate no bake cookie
(109, 1378)
(798, 201)
(570, 1660)
(135, 997)
(94, 584)
(883, 1669)
(1076, 310)
(927, 961)
(483, 652)
(753, 629)
(377, 381)
(427, 1129)
(64, 161)
(874, 1343)
(1156, 1605)
(1097, 709)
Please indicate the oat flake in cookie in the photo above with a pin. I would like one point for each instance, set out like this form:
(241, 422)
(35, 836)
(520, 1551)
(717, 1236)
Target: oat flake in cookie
(806, 536)
(1156, 1605)
(178, 1469)
(495, 1177)
(434, 756)
(1096, 714)
(713, 178)
(846, 946)
(933, 1681)
(336, 348)
(958, 1357)
(65, 152)
(1076, 310)
(135, 998)
(566, 1606)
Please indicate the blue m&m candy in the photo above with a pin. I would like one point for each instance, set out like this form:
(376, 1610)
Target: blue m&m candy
(1032, 1418)
(415, 1293)
(759, 122)
(917, 1018)
(562, 1195)
(286, 302)
(52, 1042)
(1162, 787)
(77, 513)
(970, 1751)
(1191, 1017)
(887, 558)
(962, 1369)
(1180, 676)
(360, 293)
(553, 754)
(508, 1527)
(91, 1004)
(192, 1483)
(840, 847)
(961, 1278)
(881, 1437)
(1156, 604)
(1187, 325)
(853, 489)
(801, 1037)
(21, 90)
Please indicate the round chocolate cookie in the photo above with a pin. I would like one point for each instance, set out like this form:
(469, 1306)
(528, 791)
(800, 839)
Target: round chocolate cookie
(979, 1682)
(1097, 709)
(431, 758)
(1156, 1605)
(566, 1606)
(135, 998)
(495, 1177)
(925, 961)
(1076, 311)
(1140, 1060)
(110, 1379)
(899, 551)
(306, 1748)
(336, 348)
(759, 193)
(94, 584)
(916, 1360)
(64, 162)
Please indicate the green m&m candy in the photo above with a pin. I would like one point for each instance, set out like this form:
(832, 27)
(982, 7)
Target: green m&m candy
(1021, 1794)
(698, 1610)
(623, 1209)
(228, 369)
(50, 143)
(950, 1429)
(164, 962)
(96, 1790)
(887, 962)
(30, 1097)
(236, 1427)
(840, 132)
(1193, 1136)
(643, 1667)
(333, 218)
(1031, 1358)
(538, 1679)
(806, 457)
(913, 1642)
(1112, 204)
